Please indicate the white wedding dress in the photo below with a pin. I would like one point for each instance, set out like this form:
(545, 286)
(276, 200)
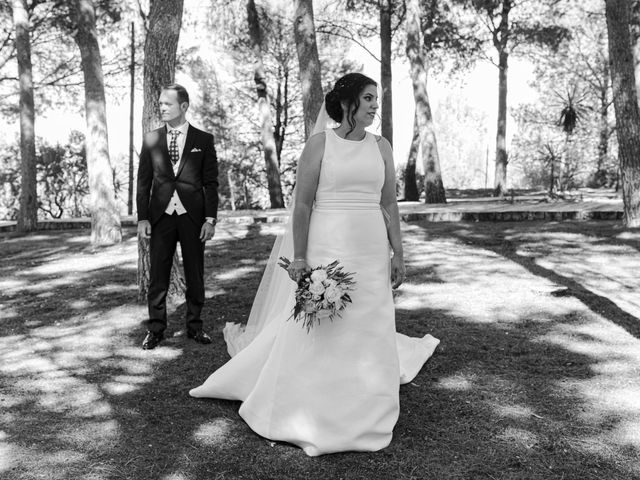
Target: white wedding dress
(335, 388)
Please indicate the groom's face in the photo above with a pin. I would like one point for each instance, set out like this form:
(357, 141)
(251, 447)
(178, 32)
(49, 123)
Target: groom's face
(170, 108)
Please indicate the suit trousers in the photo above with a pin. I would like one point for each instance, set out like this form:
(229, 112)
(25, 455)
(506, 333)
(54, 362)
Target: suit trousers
(165, 235)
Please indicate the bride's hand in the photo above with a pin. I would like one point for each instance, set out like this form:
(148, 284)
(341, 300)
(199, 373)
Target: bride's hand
(296, 269)
(398, 271)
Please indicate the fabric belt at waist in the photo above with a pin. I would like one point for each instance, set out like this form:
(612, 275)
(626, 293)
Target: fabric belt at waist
(348, 202)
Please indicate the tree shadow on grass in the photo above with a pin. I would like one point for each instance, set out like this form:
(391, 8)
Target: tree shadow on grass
(72, 335)
(498, 399)
(511, 246)
(606, 232)
(555, 377)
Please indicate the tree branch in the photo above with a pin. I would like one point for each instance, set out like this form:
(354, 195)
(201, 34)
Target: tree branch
(349, 36)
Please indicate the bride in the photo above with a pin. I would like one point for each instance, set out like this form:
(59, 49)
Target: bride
(336, 387)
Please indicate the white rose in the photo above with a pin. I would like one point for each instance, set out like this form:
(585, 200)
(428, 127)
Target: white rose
(316, 288)
(318, 276)
(330, 282)
(333, 294)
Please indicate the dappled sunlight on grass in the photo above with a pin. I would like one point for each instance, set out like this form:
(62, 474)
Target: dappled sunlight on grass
(633, 235)
(519, 436)
(7, 454)
(212, 290)
(50, 465)
(7, 313)
(514, 412)
(83, 239)
(54, 359)
(483, 302)
(532, 379)
(214, 433)
(457, 262)
(175, 476)
(613, 392)
(87, 262)
(586, 260)
(79, 304)
(562, 377)
(120, 388)
(603, 268)
(44, 289)
(72, 373)
(491, 283)
(117, 288)
(9, 284)
(79, 397)
(455, 382)
(237, 273)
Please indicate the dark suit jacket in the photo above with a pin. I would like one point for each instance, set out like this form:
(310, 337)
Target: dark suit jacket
(196, 180)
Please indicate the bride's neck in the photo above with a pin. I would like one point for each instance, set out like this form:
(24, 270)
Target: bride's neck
(356, 134)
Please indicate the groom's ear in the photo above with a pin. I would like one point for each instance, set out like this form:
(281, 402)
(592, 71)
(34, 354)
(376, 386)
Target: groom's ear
(184, 106)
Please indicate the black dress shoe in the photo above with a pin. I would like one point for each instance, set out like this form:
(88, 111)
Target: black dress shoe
(200, 337)
(152, 340)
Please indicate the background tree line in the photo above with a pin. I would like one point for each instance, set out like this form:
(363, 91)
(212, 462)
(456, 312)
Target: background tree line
(257, 71)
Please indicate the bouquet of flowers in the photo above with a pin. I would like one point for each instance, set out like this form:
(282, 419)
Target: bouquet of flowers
(322, 293)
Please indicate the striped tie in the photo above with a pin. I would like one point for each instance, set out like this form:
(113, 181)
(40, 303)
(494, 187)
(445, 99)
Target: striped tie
(173, 146)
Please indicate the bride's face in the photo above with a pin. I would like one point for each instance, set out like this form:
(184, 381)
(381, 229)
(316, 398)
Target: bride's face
(368, 108)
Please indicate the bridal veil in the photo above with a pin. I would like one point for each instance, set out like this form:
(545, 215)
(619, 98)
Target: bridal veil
(275, 284)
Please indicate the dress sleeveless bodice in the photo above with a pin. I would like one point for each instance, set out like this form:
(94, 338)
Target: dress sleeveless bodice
(351, 173)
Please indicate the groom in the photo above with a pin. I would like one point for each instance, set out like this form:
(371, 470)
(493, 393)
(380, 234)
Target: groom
(177, 201)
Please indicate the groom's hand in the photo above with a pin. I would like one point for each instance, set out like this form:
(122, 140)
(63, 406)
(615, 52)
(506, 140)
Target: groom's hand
(144, 228)
(207, 231)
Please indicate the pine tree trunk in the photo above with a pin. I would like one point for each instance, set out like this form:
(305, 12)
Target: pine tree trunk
(160, 47)
(385, 70)
(625, 103)
(501, 44)
(552, 176)
(132, 92)
(433, 186)
(105, 218)
(304, 31)
(266, 129)
(635, 42)
(500, 182)
(282, 112)
(28, 215)
(411, 192)
(232, 190)
(563, 161)
(603, 137)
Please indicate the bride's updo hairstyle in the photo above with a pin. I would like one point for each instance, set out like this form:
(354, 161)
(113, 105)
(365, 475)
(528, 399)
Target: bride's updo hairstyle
(347, 89)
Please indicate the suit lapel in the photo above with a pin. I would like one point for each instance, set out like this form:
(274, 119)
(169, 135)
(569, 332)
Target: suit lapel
(188, 144)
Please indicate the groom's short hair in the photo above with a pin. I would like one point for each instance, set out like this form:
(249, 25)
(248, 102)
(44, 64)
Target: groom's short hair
(183, 95)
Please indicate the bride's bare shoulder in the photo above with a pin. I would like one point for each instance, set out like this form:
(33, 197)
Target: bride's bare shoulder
(317, 137)
(315, 145)
(384, 145)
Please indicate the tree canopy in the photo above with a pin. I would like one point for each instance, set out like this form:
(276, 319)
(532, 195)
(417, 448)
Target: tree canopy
(556, 128)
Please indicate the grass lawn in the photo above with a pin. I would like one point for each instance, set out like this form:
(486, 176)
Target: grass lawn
(537, 375)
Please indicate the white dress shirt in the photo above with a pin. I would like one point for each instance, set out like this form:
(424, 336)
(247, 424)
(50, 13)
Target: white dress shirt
(175, 205)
